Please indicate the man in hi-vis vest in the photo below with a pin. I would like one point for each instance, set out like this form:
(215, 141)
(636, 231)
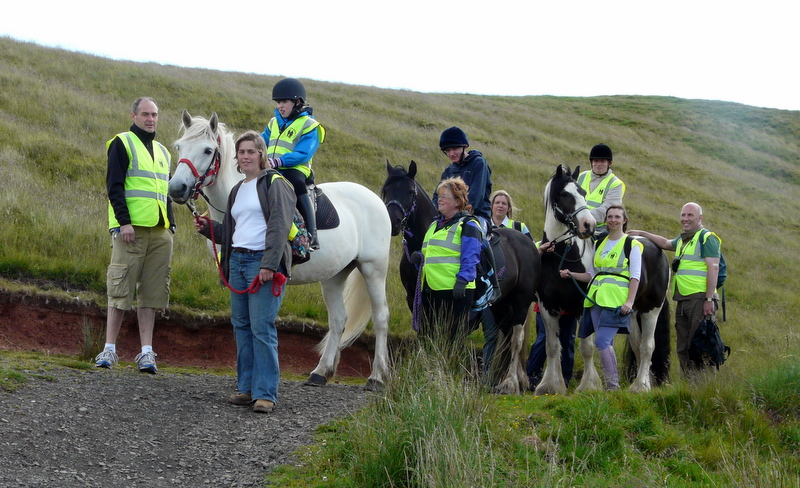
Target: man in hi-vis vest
(694, 283)
(141, 225)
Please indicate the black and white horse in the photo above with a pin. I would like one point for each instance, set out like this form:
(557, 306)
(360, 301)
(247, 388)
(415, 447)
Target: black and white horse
(411, 212)
(569, 223)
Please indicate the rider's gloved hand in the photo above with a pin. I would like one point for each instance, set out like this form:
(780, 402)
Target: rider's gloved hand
(460, 290)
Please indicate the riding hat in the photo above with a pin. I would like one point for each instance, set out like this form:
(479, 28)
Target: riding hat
(288, 89)
(600, 151)
(453, 137)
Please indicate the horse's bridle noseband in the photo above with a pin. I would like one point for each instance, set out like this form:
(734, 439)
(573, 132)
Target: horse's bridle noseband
(406, 213)
(568, 219)
(209, 177)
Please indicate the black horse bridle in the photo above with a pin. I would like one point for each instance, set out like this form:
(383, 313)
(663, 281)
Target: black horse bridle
(406, 213)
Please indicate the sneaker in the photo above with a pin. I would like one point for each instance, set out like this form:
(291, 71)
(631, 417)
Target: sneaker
(263, 406)
(146, 362)
(240, 399)
(106, 359)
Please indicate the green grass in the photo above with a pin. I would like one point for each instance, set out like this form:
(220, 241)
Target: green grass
(437, 428)
(741, 163)
(58, 108)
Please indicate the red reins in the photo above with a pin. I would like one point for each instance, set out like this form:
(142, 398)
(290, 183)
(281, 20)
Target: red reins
(278, 279)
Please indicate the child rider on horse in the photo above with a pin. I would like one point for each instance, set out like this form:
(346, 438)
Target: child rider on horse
(292, 138)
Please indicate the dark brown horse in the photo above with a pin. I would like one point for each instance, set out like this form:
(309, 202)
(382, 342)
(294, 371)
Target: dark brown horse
(411, 212)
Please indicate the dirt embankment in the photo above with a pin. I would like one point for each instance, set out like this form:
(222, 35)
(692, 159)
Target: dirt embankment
(41, 323)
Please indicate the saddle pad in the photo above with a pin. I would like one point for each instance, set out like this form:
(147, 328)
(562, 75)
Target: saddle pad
(499, 256)
(327, 216)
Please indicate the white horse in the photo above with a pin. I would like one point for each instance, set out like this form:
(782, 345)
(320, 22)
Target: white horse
(351, 264)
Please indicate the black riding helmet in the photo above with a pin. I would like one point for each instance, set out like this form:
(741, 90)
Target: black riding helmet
(289, 89)
(600, 151)
(453, 137)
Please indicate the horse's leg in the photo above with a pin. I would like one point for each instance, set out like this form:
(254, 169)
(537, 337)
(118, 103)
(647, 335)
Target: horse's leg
(375, 279)
(590, 381)
(644, 349)
(513, 378)
(332, 293)
(553, 380)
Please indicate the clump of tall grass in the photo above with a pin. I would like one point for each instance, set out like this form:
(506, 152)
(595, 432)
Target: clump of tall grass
(93, 340)
(431, 427)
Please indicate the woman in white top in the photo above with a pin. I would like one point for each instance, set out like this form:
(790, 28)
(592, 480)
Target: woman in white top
(255, 246)
(614, 281)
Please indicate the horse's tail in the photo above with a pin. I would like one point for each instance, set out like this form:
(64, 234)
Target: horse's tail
(660, 360)
(358, 307)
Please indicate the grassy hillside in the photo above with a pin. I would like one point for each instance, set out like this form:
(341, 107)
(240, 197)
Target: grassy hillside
(741, 163)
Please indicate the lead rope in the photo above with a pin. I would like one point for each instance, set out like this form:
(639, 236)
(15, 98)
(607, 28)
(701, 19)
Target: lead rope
(278, 280)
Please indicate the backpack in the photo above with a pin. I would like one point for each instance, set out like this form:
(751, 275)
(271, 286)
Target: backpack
(707, 347)
(723, 268)
(300, 240)
(299, 237)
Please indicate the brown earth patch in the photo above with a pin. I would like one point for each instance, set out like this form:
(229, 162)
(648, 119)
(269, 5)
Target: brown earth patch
(47, 324)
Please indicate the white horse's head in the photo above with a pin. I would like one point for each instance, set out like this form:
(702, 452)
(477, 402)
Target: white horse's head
(204, 154)
(565, 205)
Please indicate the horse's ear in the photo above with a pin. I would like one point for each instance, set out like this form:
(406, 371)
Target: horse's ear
(576, 173)
(412, 169)
(187, 119)
(213, 122)
(559, 172)
(388, 166)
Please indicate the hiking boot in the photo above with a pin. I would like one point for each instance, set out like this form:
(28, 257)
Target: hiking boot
(240, 399)
(106, 359)
(263, 406)
(146, 361)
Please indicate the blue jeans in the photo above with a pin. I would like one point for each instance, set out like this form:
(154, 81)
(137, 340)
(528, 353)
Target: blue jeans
(566, 335)
(253, 317)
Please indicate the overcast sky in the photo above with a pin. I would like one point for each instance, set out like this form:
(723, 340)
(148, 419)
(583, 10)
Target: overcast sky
(709, 49)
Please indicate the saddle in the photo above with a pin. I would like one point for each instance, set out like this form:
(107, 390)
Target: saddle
(327, 216)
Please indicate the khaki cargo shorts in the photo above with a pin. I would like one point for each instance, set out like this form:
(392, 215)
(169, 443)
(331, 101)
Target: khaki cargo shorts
(141, 267)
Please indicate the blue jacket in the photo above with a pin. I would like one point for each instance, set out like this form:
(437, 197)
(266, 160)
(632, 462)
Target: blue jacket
(477, 175)
(306, 146)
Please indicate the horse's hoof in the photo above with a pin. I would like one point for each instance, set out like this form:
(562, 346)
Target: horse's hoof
(315, 379)
(373, 385)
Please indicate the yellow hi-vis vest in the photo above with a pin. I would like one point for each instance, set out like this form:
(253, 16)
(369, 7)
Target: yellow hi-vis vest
(595, 198)
(146, 183)
(610, 285)
(692, 271)
(442, 251)
(284, 142)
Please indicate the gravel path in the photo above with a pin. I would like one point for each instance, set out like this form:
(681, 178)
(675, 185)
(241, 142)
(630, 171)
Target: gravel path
(100, 428)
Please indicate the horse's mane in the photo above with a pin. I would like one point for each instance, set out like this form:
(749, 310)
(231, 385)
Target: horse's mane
(201, 129)
(555, 185)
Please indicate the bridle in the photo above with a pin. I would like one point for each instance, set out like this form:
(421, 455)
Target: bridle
(206, 179)
(567, 219)
(406, 213)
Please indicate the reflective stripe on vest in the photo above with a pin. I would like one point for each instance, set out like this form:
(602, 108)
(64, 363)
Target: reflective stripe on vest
(595, 198)
(611, 290)
(692, 271)
(146, 183)
(284, 141)
(442, 251)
